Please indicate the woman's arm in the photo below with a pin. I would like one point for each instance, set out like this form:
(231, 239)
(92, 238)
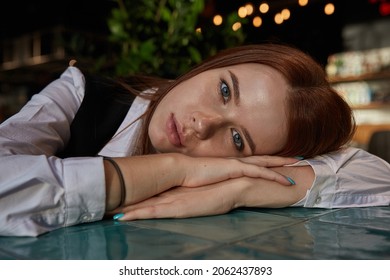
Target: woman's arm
(224, 196)
(146, 176)
(39, 193)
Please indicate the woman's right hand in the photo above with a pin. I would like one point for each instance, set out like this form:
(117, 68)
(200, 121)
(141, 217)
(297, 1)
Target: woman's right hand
(146, 176)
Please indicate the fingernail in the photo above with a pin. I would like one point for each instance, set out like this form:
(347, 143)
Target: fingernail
(290, 180)
(118, 216)
(299, 157)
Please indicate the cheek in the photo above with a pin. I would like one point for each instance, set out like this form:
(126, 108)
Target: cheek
(179, 98)
(194, 91)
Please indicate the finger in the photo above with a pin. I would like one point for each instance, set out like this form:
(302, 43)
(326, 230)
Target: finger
(268, 174)
(255, 171)
(269, 161)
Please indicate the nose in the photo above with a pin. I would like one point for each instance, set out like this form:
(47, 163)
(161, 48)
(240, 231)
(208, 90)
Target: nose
(205, 125)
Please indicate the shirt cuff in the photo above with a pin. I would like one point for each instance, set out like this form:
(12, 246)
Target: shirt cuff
(321, 194)
(86, 194)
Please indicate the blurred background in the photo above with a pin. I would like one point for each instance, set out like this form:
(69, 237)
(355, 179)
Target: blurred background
(349, 38)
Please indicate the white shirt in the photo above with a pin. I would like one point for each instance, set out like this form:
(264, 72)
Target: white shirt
(40, 192)
(349, 177)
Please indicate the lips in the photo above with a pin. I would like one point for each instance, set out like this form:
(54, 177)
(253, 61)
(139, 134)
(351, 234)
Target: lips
(173, 132)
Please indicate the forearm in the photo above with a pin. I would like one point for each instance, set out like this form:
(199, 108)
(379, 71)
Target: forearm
(144, 177)
(221, 197)
(149, 175)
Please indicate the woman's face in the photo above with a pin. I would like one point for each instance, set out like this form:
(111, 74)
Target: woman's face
(233, 111)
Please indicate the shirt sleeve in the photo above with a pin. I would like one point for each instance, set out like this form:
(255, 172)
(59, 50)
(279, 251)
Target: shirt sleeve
(349, 178)
(38, 191)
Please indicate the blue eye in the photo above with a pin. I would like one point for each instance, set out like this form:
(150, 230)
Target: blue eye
(237, 140)
(225, 91)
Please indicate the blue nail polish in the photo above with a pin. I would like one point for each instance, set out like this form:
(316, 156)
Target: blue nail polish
(291, 180)
(118, 216)
(299, 157)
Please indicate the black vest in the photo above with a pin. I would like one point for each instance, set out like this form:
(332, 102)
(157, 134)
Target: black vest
(98, 118)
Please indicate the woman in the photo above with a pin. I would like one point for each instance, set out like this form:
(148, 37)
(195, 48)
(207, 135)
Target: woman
(223, 134)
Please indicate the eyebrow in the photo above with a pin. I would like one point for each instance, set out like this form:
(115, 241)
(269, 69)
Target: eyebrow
(236, 88)
(236, 93)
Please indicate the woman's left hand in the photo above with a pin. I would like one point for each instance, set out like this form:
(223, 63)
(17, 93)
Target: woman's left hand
(182, 202)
